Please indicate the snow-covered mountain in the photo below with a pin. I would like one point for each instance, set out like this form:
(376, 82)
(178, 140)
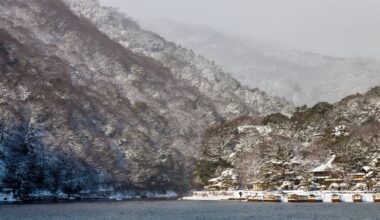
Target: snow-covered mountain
(89, 101)
(301, 77)
(228, 95)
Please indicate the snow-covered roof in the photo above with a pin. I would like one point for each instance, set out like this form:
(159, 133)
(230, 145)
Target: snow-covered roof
(366, 168)
(257, 182)
(321, 177)
(334, 180)
(356, 174)
(214, 180)
(369, 174)
(295, 162)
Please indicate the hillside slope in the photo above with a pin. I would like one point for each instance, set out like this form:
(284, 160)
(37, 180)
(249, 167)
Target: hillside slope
(281, 152)
(228, 95)
(80, 113)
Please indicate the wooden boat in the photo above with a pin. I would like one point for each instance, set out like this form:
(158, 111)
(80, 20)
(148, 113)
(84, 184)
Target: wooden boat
(272, 198)
(314, 198)
(357, 198)
(297, 198)
(376, 198)
(336, 198)
(255, 199)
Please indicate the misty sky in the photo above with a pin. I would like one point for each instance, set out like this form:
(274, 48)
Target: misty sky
(349, 28)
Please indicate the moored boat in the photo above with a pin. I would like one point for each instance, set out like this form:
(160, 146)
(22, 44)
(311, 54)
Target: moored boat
(255, 199)
(236, 199)
(336, 198)
(297, 198)
(272, 198)
(376, 198)
(314, 198)
(357, 198)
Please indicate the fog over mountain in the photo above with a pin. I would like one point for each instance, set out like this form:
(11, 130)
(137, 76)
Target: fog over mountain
(302, 77)
(344, 28)
(313, 51)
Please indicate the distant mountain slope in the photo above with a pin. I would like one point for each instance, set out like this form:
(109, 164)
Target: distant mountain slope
(79, 112)
(302, 77)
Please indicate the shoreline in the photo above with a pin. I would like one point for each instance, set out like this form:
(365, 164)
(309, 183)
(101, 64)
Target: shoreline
(46, 197)
(323, 196)
(63, 201)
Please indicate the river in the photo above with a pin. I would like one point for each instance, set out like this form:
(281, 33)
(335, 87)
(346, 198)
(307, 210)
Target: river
(188, 210)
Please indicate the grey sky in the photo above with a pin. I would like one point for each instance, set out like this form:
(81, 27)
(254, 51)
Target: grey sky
(349, 28)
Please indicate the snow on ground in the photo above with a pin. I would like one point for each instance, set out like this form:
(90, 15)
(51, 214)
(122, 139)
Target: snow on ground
(326, 166)
(7, 197)
(324, 195)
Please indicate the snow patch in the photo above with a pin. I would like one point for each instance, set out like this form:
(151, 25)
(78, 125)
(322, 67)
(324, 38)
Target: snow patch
(326, 166)
(341, 131)
(263, 130)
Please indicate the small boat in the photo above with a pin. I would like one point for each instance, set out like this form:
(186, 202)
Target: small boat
(236, 199)
(336, 198)
(314, 198)
(297, 198)
(376, 198)
(255, 199)
(272, 198)
(357, 198)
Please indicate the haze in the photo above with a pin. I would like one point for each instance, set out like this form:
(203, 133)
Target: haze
(346, 28)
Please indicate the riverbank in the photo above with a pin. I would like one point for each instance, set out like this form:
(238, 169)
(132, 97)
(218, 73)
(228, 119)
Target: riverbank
(258, 196)
(246, 195)
(46, 197)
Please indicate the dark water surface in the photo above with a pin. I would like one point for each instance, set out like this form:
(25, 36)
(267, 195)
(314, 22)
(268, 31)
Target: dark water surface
(189, 210)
